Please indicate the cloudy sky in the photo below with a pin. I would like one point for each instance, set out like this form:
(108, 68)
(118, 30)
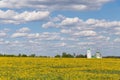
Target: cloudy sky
(46, 27)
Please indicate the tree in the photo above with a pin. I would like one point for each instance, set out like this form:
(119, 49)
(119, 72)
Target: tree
(19, 55)
(32, 55)
(74, 55)
(65, 55)
(57, 56)
(1, 54)
(23, 55)
(81, 56)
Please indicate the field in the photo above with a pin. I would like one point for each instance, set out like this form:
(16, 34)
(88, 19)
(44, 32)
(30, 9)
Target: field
(19, 68)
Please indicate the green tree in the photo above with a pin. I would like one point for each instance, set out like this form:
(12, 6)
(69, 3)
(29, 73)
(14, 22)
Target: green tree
(19, 55)
(57, 56)
(66, 55)
(32, 55)
(80, 56)
(23, 55)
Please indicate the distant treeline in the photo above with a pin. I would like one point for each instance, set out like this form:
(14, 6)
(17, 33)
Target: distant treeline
(20, 55)
(68, 55)
(64, 55)
(111, 57)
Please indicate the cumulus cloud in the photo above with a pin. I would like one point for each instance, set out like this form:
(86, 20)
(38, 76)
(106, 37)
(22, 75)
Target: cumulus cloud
(65, 39)
(33, 35)
(81, 24)
(49, 24)
(55, 5)
(13, 17)
(117, 33)
(25, 33)
(60, 44)
(3, 32)
(24, 29)
(117, 40)
(22, 32)
(45, 36)
(1, 41)
(70, 21)
(66, 31)
(99, 38)
(85, 33)
(117, 30)
(86, 43)
(18, 34)
(77, 27)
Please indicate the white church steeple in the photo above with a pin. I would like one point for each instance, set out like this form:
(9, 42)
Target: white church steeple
(89, 53)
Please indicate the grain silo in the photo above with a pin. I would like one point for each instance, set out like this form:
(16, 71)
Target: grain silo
(89, 53)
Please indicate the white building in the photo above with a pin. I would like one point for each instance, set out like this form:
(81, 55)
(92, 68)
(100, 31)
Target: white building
(98, 55)
(89, 53)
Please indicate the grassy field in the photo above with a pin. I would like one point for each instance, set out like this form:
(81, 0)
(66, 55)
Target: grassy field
(13, 68)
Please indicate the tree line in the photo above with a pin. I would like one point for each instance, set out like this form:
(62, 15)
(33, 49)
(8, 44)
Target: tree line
(63, 55)
(68, 55)
(21, 55)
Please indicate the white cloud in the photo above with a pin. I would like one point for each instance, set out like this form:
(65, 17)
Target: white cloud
(117, 33)
(49, 24)
(85, 33)
(24, 29)
(58, 18)
(80, 24)
(117, 28)
(18, 34)
(6, 42)
(86, 43)
(1, 41)
(13, 17)
(26, 34)
(60, 44)
(107, 24)
(45, 36)
(66, 31)
(91, 21)
(99, 38)
(62, 22)
(70, 21)
(102, 23)
(33, 35)
(117, 40)
(55, 5)
(3, 34)
(31, 16)
(22, 32)
(76, 27)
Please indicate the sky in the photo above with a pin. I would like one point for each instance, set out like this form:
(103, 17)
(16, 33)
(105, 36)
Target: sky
(46, 27)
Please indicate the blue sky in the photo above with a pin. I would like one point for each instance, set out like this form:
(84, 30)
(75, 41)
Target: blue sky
(46, 27)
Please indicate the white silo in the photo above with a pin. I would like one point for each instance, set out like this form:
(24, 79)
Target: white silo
(98, 55)
(89, 53)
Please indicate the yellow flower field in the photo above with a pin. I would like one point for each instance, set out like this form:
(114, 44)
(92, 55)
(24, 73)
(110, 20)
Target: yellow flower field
(19, 68)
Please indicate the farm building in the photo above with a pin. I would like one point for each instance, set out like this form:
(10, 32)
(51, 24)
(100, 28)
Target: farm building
(96, 55)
